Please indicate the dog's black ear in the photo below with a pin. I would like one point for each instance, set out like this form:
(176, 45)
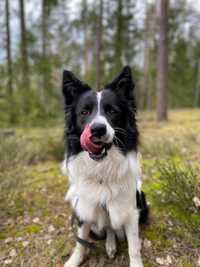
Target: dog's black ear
(123, 84)
(72, 87)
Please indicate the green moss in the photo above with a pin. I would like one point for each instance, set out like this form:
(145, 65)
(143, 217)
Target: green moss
(9, 231)
(59, 222)
(178, 214)
(195, 218)
(2, 236)
(32, 229)
(157, 233)
(187, 264)
(148, 264)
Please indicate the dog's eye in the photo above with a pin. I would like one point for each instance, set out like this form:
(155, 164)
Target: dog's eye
(111, 111)
(85, 112)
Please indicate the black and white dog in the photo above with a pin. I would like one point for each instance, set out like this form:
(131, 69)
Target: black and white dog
(102, 163)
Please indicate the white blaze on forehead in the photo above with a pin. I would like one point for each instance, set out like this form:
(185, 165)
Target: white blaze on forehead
(99, 118)
(99, 95)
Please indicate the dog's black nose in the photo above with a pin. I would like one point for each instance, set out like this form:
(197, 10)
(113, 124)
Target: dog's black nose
(98, 130)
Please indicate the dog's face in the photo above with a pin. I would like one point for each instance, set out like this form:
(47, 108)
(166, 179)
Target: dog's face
(98, 120)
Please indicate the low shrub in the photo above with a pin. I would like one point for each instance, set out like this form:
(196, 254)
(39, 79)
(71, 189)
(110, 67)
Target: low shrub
(180, 187)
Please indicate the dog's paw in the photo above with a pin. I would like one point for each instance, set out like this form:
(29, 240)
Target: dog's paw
(73, 262)
(137, 262)
(70, 263)
(111, 248)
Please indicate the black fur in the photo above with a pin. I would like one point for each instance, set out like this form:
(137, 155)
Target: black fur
(142, 207)
(123, 87)
(117, 105)
(117, 97)
(72, 88)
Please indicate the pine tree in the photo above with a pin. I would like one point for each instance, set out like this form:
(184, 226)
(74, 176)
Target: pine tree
(12, 117)
(196, 102)
(24, 58)
(162, 74)
(99, 45)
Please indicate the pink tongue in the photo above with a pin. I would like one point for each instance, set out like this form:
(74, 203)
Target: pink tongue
(87, 143)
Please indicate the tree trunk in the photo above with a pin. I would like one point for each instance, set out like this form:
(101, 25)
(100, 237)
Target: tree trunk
(197, 91)
(145, 82)
(99, 46)
(85, 27)
(44, 55)
(152, 34)
(162, 72)
(24, 57)
(119, 38)
(9, 64)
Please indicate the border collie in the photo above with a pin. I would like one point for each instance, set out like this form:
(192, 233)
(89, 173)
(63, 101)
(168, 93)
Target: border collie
(102, 164)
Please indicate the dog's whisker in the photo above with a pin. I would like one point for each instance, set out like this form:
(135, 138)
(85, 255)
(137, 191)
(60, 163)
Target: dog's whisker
(121, 131)
(119, 141)
(119, 128)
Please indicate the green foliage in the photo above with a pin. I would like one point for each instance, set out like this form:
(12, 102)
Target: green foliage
(180, 185)
(182, 89)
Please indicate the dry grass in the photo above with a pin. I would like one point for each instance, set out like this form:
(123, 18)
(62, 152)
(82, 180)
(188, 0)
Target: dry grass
(35, 221)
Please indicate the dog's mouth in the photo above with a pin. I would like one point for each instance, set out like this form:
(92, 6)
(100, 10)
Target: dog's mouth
(101, 153)
(97, 149)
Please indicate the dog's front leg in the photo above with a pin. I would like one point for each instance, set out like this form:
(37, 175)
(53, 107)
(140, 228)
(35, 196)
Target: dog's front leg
(132, 234)
(79, 252)
(111, 245)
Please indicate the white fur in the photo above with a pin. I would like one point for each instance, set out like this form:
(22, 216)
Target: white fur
(111, 245)
(101, 119)
(110, 183)
(99, 95)
(79, 252)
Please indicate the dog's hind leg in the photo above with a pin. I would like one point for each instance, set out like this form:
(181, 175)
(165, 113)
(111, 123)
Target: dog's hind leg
(79, 252)
(111, 245)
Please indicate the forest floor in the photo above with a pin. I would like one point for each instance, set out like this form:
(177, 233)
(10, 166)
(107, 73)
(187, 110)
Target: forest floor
(35, 220)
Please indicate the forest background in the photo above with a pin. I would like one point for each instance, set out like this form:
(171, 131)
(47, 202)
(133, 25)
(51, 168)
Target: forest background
(95, 39)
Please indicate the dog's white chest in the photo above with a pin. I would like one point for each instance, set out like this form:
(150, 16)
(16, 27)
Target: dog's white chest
(110, 183)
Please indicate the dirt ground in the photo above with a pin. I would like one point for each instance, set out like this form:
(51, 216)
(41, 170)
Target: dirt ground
(35, 220)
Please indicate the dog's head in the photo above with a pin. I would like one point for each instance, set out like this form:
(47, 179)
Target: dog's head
(97, 120)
